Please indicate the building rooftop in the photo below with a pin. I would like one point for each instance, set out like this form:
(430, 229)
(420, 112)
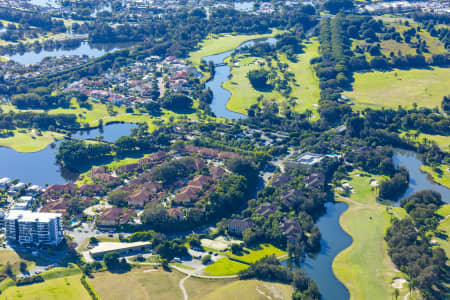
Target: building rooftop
(29, 216)
(109, 246)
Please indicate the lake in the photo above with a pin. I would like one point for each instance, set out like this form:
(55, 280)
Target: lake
(418, 180)
(41, 168)
(222, 74)
(334, 240)
(91, 50)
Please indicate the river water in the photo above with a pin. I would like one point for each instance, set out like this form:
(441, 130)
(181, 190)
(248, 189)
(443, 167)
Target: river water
(222, 74)
(41, 168)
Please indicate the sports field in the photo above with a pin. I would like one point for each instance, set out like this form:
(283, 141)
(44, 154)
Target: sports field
(425, 87)
(365, 267)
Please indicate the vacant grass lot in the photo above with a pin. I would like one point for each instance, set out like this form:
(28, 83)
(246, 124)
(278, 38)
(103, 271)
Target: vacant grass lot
(140, 283)
(197, 288)
(425, 87)
(223, 267)
(54, 289)
(253, 255)
(305, 91)
(365, 267)
(216, 44)
(250, 290)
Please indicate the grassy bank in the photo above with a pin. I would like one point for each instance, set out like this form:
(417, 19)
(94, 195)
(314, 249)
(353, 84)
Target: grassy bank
(443, 239)
(215, 44)
(224, 266)
(253, 255)
(426, 87)
(305, 92)
(442, 176)
(365, 267)
(29, 141)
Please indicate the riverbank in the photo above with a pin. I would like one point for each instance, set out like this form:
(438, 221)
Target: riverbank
(26, 141)
(305, 91)
(365, 267)
(215, 44)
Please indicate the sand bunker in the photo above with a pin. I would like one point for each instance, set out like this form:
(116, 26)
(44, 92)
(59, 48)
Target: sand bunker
(397, 283)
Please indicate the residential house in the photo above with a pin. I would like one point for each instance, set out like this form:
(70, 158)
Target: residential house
(315, 180)
(188, 194)
(217, 172)
(238, 226)
(266, 209)
(139, 198)
(281, 179)
(115, 216)
(177, 213)
(292, 230)
(97, 189)
(128, 168)
(56, 190)
(152, 186)
(4, 183)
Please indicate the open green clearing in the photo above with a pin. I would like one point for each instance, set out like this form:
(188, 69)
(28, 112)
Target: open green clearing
(60, 288)
(444, 240)
(365, 267)
(140, 283)
(29, 141)
(224, 266)
(253, 255)
(215, 44)
(443, 177)
(425, 87)
(441, 140)
(249, 290)
(305, 92)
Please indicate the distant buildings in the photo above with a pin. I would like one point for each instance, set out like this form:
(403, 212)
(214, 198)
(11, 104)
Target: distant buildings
(304, 160)
(237, 226)
(32, 228)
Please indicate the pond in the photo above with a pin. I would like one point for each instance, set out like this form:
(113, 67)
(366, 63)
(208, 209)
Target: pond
(41, 168)
(334, 240)
(418, 180)
(222, 74)
(91, 50)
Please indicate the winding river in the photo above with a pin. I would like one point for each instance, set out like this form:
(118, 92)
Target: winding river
(41, 168)
(222, 74)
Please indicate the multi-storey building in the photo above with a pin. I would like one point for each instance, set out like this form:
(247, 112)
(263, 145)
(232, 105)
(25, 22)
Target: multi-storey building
(26, 227)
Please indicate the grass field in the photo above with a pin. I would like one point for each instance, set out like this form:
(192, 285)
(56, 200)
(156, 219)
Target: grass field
(441, 140)
(30, 142)
(444, 226)
(365, 267)
(249, 290)
(253, 255)
(425, 87)
(60, 288)
(305, 91)
(216, 44)
(14, 259)
(443, 178)
(223, 267)
(140, 283)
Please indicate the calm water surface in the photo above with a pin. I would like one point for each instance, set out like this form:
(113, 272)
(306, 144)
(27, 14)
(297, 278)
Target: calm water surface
(418, 180)
(222, 74)
(41, 168)
(334, 240)
(91, 50)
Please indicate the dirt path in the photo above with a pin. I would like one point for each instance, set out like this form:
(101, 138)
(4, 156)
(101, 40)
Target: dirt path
(183, 290)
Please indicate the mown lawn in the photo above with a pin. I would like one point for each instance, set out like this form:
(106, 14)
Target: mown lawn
(65, 288)
(250, 290)
(253, 255)
(30, 142)
(216, 44)
(139, 284)
(441, 140)
(443, 177)
(425, 87)
(365, 267)
(444, 227)
(223, 267)
(305, 92)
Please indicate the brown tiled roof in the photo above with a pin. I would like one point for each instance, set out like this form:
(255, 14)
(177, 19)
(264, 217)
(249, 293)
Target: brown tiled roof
(68, 188)
(91, 188)
(57, 206)
(200, 181)
(188, 193)
(176, 212)
(152, 186)
(139, 198)
(128, 168)
(216, 172)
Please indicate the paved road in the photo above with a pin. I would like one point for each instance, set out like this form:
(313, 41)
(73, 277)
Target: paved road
(183, 290)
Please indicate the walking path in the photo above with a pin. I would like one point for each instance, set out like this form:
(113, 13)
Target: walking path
(183, 290)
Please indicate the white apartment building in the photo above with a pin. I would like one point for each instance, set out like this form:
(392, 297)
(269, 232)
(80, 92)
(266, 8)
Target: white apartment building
(26, 227)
